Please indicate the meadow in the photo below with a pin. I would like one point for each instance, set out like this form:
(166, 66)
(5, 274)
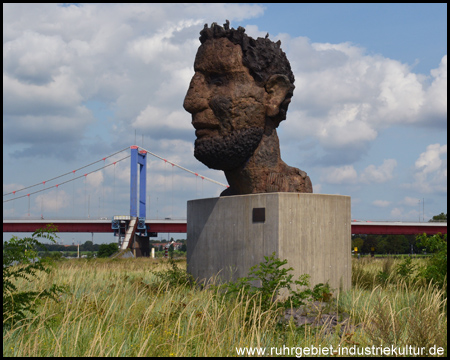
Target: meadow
(124, 308)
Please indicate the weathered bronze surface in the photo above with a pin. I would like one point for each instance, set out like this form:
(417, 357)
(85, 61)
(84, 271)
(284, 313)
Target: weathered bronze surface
(238, 96)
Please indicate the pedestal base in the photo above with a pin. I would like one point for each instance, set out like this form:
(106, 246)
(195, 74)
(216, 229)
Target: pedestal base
(228, 235)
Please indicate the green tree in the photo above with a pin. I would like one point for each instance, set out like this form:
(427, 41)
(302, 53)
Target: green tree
(106, 250)
(55, 255)
(393, 244)
(440, 217)
(358, 243)
(171, 250)
(436, 268)
(401, 244)
(88, 246)
(369, 243)
(382, 245)
(20, 261)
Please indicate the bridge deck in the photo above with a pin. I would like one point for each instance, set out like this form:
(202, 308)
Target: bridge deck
(398, 228)
(180, 226)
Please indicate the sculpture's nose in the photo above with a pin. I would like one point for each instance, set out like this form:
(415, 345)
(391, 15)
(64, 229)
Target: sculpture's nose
(196, 99)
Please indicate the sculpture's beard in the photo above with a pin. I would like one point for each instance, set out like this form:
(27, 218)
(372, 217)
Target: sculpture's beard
(229, 152)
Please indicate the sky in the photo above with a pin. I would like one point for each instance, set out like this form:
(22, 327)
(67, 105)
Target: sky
(368, 118)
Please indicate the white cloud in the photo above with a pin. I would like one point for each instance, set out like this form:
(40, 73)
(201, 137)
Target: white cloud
(35, 58)
(381, 203)
(431, 170)
(119, 172)
(317, 188)
(136, 60)
(399, 214)
(348, 174)
(153, 117)
(379, 174)
(400, 94)
(52, 201)
(344, 97)
(58, 96)
(254, 32)
(435, 102)
(410, 201)
(430, 161)
(95, 180)
(137, 57)
(8, 188)
(340, 175)
(158, 46)
(130, 57)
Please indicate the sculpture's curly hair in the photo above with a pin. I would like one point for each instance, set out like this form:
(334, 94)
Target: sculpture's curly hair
(262, 57)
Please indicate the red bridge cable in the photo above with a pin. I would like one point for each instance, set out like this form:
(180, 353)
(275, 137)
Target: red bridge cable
(73, 171)
(183, 168)
(65, 182)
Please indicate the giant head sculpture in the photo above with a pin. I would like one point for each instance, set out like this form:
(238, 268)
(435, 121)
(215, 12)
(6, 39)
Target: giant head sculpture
(238, 96)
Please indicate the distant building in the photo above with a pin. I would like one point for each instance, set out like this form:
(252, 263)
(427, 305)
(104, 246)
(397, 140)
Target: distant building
(176, 245)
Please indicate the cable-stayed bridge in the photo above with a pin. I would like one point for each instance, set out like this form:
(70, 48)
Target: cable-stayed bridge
(135, 224)
(179, 226)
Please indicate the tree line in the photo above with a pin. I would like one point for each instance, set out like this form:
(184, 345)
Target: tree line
(90, 246)
(392, 244)
(387, 244)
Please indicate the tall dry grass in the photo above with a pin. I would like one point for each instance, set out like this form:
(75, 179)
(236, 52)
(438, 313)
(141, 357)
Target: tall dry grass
(120, 308)
(393, 309)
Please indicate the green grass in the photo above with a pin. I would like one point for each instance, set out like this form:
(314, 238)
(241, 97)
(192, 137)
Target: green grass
(121, 308)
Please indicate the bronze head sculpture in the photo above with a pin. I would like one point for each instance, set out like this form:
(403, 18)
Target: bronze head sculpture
(238, 96)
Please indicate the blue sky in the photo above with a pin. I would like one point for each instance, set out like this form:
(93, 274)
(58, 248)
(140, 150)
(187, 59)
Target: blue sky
(398, 31)
(368, 117)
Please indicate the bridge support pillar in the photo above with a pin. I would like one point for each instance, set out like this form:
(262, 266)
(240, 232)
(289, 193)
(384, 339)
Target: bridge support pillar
(138, 159)
(141, 246)
(228, 235)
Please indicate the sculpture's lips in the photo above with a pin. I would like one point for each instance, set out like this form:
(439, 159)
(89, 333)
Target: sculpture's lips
(205, 129)
(205, 133)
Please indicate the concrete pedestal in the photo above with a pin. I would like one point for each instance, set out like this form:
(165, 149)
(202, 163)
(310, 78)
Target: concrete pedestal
(228, 235)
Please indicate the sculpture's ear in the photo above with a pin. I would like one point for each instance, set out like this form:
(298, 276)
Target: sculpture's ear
(277, 88)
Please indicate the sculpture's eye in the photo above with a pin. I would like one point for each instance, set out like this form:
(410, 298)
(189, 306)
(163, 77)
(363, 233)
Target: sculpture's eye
(216, 79)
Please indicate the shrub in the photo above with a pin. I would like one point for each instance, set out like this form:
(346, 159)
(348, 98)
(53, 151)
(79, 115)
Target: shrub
(174, 276)
(406, 269)
(436, 267)
(272, 277)
(20, 261)
(106, 250)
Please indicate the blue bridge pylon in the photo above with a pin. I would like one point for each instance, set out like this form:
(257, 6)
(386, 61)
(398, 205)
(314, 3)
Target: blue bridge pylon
(134, 224)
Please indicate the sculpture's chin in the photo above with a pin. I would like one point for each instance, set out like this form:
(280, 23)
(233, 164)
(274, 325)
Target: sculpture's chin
(229, 152)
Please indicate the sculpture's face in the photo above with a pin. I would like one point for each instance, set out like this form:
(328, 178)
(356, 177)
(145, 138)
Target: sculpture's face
(227, 106)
